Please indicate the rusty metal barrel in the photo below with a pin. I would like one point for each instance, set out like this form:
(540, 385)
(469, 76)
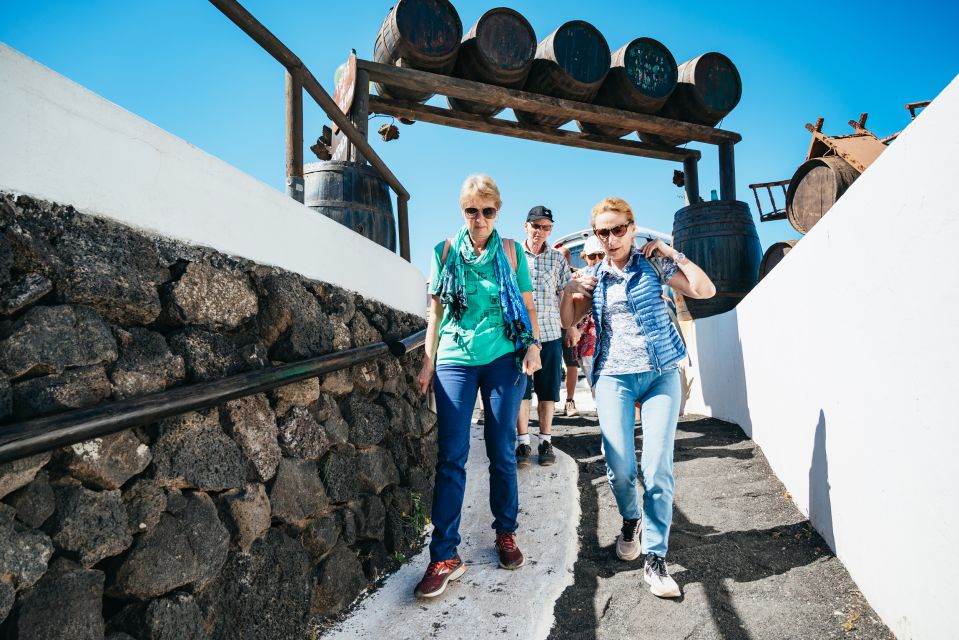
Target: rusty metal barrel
(721, 237)
(498, 49)
(418, 34)
(570, 63)
(642, 76)
(814, 189)
(354, 195)
(774, 255)
(708, 88)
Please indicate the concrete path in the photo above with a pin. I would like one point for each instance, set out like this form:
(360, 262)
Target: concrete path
(487, 601)
(749, 563)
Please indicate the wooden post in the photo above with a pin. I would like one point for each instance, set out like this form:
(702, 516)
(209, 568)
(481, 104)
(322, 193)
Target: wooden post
(727, 171)
(360, 113)
(691, 179)
(403, 224)
(294, 134)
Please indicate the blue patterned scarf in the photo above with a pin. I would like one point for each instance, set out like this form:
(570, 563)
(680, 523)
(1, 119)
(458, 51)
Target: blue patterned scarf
(452, 289)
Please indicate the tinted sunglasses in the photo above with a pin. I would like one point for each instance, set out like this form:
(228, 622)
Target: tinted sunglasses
(472, 212)
(595, 256)
(619, 231)
(541, 227)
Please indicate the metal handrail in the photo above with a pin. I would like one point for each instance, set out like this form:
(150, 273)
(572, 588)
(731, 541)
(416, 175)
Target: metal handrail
(301, 78)
(23, 439)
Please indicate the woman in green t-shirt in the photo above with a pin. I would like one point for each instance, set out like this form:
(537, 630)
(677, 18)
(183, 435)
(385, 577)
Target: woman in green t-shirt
(482, 336)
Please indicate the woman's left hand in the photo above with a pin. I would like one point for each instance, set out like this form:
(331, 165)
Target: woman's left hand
(657, 246)
(531, 361)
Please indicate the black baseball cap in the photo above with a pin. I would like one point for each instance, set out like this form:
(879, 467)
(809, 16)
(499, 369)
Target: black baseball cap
(539, 212)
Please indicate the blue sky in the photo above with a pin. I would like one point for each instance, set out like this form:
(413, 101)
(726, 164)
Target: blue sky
(185, 67)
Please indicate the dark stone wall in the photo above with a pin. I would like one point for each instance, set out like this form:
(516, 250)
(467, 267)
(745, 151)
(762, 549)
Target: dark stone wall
(253, 519)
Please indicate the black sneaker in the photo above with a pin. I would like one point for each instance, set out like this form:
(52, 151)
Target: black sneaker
(524, 453)
(627, 546)
(546, 454)
(658, 579)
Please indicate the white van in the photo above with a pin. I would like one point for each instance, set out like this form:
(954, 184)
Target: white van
(574, 242)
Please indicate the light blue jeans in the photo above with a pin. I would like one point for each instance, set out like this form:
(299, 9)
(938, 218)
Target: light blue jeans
(659, 394)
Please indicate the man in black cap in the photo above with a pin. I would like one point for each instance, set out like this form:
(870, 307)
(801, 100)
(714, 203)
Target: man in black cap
(550, 273)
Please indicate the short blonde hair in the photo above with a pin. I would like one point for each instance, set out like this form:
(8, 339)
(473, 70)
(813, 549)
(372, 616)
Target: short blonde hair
(612, 205)
(480, 185)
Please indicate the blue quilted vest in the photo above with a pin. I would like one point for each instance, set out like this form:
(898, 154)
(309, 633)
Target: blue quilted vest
(643, 293)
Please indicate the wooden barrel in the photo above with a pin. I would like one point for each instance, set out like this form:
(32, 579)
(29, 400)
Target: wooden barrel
(774, 255)
(354, 195)
(814, 188)
(498, 49)
(708, 88)
(642, 76)
(721, 238)
(418, 34)
(570, 63)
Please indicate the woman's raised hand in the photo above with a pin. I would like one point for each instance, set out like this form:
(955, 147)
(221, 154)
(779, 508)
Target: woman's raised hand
(581, 286)
(653, 247)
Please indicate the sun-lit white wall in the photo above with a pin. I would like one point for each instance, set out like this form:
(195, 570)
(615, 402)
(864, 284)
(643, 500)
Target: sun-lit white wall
(843, 365)
(61, 142)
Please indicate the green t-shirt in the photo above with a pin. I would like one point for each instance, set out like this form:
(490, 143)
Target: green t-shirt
(482, 330)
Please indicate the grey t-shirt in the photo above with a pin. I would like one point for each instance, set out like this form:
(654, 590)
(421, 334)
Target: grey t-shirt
(623, 344)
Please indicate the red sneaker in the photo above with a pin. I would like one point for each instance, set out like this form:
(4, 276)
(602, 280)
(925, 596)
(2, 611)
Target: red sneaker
(437, 576)
(510, 557)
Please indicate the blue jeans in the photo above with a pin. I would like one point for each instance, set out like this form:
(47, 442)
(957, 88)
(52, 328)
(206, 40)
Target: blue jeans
(659, 394)
(501, 385)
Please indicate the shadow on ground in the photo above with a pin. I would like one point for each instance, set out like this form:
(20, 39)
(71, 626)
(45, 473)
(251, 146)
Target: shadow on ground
(749, 563)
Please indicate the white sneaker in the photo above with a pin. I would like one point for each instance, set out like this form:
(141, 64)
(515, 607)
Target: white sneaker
(658, 579)
(627, 545)
(571, 408)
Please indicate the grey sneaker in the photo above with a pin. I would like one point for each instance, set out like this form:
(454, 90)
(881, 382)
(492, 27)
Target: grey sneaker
(546, 454)
(658, 579)
(627, 546)
(524, 454)
(571, 410)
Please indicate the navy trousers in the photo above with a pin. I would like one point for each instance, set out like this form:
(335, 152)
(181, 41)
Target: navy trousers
(501, 385)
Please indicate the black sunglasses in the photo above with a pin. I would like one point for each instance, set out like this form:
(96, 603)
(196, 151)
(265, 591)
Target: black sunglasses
(595, 256)
(471, 212)
(619, 231)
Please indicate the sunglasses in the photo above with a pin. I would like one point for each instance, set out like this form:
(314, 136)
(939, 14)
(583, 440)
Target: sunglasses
(595, 256)
(619, 231)
(471, 212)
(541, 227)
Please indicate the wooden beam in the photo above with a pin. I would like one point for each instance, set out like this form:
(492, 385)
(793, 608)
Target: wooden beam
(403, 224)
(691, 180)
(472, 122)
(294, 135)
(727, 172)
(360, 110)
(545, 105)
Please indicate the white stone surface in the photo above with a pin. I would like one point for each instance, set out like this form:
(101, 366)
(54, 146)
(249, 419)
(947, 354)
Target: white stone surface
(61, 142)
(487, 602)
(843, 365)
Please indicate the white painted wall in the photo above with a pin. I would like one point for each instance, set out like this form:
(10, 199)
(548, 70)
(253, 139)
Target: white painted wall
(843, 365)
(64, 143)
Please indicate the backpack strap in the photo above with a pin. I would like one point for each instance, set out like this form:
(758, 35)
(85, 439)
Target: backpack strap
(446, 251)
(670, 310)
(509, 246)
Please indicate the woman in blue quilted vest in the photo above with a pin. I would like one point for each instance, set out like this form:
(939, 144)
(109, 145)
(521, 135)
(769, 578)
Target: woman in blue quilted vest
(638, 351)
